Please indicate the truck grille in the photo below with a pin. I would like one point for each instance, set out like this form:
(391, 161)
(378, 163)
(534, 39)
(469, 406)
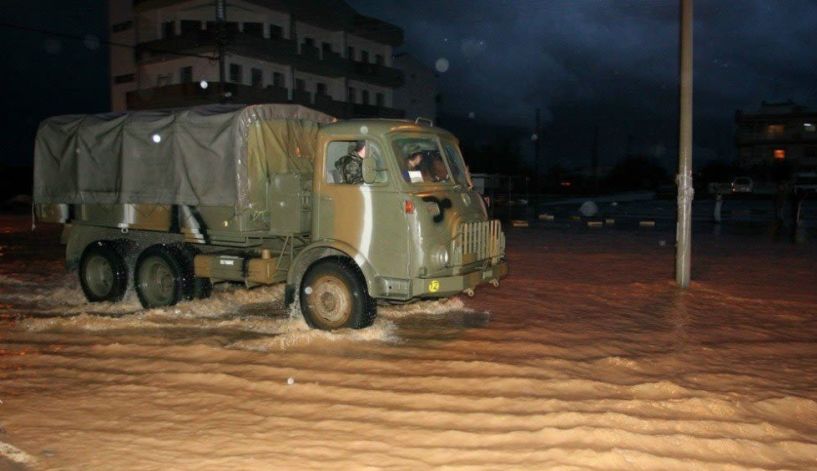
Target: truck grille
(478, 241)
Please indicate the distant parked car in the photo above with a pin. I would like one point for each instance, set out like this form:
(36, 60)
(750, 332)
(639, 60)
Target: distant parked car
(742, 185)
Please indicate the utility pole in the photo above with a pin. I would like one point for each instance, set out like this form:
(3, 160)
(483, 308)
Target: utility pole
(537, 136)
(683, 236)
(594, 162)
(221, 40)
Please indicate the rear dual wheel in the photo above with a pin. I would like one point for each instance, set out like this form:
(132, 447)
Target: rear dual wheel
(164, 276)
(103, 273)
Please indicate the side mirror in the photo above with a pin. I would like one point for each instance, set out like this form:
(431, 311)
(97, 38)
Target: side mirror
(369, 170)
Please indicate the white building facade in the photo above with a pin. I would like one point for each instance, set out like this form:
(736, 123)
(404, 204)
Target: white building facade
(319, 53)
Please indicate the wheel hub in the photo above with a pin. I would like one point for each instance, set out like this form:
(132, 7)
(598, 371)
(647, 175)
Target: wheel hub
(99, 275)
(331, 300)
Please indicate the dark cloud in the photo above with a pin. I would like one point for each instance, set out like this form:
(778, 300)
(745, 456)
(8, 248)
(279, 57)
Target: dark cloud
(614, 63)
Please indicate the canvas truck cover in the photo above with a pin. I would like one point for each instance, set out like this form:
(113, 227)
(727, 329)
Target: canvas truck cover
(200, 156)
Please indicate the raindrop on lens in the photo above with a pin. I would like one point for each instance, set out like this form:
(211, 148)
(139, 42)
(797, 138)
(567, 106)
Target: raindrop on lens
(472, 115)
(364, 130)
(441, 65)
(290, 380)
(157, 138)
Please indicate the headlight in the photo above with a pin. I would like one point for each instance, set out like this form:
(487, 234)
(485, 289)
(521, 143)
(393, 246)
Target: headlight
(440, 257)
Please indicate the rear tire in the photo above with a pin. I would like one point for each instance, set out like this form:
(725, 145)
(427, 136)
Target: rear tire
(162, 277)
(333, 296)
(103, 273)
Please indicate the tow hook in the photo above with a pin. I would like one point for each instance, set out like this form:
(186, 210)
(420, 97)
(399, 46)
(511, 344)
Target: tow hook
(495, 283)
(469, 292)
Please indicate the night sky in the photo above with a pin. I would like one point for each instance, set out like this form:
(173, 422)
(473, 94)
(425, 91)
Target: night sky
(585, 63)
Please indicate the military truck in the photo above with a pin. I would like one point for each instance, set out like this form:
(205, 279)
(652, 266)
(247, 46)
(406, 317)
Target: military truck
(170, 202)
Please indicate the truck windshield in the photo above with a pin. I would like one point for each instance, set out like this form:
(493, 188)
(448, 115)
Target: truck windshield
(457, 164)
(420, 160)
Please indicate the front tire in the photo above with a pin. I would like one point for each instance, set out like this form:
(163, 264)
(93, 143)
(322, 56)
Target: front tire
(333, 296)
(103, 273)
(162, 277)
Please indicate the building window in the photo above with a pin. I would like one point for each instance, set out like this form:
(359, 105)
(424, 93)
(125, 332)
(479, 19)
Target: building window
(775, 130)
(123, 26)
(309, 42)
(257, 77)
(190, 26)
(168, 29)
(364, 56)
(254, 29)
(350, 95)
(350, 52)
(236, 73)
(380, 100)
(378, 59)
(278, 79)
(364, 97)
(162, 80)
(320, 88)
(810, 152)
(229, 26)
(186, 74)
(124, 78)
(276, 32)
(326, 49)
(300, 85)
(779, 154)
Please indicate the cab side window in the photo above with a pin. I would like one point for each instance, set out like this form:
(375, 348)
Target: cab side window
(344, 161)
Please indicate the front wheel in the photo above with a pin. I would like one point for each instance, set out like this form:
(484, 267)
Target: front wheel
(334, 296)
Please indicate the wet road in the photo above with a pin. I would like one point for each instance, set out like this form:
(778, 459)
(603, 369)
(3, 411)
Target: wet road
(587, 357)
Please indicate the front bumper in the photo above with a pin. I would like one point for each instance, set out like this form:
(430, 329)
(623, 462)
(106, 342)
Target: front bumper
(451, 285)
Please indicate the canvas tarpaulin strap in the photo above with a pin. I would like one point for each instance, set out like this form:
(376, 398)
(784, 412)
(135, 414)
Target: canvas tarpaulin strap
(198, 156)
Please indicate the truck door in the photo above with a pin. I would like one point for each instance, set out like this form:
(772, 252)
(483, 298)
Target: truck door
(367, 217)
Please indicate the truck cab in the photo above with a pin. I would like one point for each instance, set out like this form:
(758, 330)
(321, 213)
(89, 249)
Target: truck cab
(415, 228)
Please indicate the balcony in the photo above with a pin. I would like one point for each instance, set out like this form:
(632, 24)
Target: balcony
(279, 50)
(372, 111)
(191, 94)
(204, 41)
(376, 73)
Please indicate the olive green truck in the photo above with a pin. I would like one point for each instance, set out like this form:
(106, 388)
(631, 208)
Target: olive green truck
(170, 202)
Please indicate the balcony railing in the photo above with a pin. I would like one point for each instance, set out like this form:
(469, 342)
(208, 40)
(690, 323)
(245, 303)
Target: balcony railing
(191, 94)
(279, 50)
(377, 73)
(747, 137)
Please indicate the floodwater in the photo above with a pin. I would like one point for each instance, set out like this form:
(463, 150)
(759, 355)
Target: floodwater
(587, 357)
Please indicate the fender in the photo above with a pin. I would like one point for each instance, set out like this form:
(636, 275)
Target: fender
(319, 250)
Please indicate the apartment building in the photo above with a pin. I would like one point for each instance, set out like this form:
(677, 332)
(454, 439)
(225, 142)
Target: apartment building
(318, 53)
(418, 95)
(777, 132)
